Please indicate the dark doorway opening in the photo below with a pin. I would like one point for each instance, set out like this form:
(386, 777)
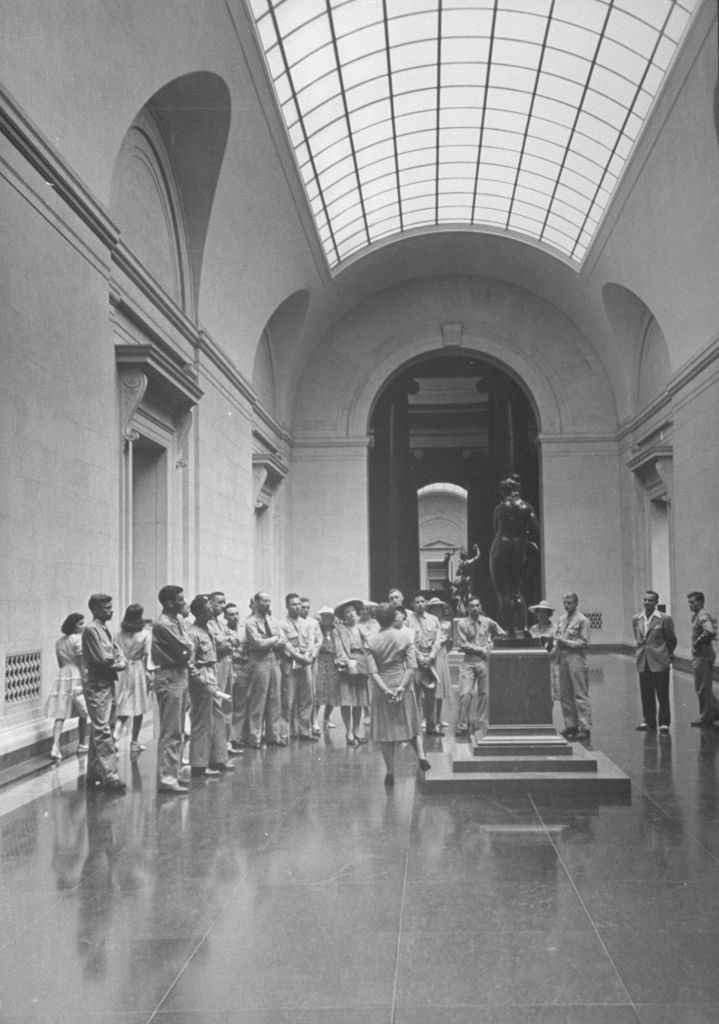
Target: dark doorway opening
(447, 419)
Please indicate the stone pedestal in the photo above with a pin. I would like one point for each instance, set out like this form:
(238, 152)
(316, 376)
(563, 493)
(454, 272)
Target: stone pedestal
(521, 752)
(519, 687)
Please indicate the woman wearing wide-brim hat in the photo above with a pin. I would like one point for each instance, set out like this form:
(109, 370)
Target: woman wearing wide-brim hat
(543, 629)
(352, 690)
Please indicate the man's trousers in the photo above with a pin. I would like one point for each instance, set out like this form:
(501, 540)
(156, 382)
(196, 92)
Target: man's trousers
(265, 699)
(574, 691)
(102, 754)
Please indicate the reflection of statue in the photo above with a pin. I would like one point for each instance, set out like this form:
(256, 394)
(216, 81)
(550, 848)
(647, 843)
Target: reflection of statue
(461, 585)
(515, 529)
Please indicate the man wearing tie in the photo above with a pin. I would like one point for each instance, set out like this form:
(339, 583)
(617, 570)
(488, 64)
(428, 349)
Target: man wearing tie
(655, 639)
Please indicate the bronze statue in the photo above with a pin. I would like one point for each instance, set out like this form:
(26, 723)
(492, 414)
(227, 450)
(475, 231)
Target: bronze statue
(461, 584)
(515, 530)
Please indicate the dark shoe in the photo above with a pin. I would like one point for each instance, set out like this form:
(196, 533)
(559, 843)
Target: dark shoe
(173, 787)
(701, 721)
(664, 729)
(583, 734)
(222, 766)
(641, 728)
(461, 730)
(114, 786)
(434, 731)
(234, 748)
(569, 734)
(389, 779)
(309, 739)
(92, 783)
(361, 739)
(425, 765)
(351, 741)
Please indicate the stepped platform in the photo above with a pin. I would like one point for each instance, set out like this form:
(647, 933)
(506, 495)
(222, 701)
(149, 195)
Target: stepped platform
(521, 752)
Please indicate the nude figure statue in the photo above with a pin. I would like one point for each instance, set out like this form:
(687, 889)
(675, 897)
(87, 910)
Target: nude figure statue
(516, 529)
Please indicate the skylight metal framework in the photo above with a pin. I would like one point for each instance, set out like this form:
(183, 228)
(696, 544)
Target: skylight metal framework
(516, 116)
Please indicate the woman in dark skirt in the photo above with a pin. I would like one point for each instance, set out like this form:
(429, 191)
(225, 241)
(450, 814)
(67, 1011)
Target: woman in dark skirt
(391, 663)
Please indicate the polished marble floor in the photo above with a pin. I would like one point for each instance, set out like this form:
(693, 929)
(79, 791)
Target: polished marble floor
(298, 889)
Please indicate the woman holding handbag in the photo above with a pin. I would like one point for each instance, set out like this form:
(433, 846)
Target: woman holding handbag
(352, 692)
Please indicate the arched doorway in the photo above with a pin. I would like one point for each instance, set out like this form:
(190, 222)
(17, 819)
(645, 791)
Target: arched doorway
(455, 420)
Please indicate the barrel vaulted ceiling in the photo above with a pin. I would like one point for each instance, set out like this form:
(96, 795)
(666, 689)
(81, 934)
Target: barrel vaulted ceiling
(510, 116)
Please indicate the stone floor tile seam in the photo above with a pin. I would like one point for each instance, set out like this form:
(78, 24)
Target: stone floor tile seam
(400, 930)
(585, 909)
(235, 889)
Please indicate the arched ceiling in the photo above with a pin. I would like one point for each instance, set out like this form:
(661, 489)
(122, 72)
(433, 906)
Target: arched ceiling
(514, 117)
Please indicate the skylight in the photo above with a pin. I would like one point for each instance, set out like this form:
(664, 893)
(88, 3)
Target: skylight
(516, 116)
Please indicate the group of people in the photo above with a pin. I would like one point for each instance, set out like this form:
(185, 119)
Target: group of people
(261, 681)
(265, 681)
(655, 640)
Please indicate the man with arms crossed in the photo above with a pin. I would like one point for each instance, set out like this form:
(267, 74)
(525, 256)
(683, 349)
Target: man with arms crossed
(474, 639)
(656, 639)
(171, 655)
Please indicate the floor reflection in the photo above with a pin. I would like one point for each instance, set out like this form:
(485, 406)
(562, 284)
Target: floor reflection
(299, 888)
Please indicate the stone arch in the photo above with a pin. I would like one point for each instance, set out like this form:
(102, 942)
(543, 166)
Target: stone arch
(495, 350)
(263, 375)
(523, 334)
(166, 176)
(145, 203)
(642, 342)
(276, 341)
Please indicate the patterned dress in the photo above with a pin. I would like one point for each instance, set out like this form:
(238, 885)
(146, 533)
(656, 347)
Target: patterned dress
(327, 676)
(391, 652)
(131, 696)
(352, 691)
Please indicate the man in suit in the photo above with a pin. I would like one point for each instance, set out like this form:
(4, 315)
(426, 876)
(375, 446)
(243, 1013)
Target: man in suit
(655, 639)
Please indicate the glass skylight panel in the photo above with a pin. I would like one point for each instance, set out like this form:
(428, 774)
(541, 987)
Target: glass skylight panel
(526, 131)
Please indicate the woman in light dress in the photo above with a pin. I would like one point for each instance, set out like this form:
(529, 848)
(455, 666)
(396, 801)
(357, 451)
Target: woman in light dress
(66, 699)
(352, 692)
(544, 629)
(391, 663)
(131, 692)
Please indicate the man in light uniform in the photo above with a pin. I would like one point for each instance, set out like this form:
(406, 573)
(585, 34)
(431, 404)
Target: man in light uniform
(704, 633)
(427, 641)
(299, 653)
(316, 644)
(264, 647)
(224, 640)
(571, 640)
(240, 680)
(102, 659)
(474, 639)
(171, 655)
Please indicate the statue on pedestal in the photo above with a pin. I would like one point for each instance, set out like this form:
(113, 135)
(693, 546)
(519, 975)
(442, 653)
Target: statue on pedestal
(516, 529)
(461, 583)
